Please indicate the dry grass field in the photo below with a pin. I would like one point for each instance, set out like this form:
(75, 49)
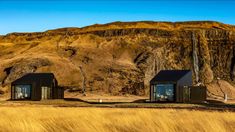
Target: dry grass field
(41, 118)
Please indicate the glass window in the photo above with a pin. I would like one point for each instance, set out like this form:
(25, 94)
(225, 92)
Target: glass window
(164, 92)
(46, 92)
(22, 91)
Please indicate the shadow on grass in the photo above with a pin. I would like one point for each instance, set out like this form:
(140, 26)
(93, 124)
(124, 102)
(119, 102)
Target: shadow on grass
(75, 99)
(218, 104)
(23, 100)
(91, 102)
(139, 101)
(215, 102)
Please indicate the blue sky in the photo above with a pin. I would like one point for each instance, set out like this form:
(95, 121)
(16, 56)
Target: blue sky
(41, 15)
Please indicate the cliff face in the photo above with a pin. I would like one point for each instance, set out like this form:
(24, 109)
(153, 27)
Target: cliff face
(121, 58)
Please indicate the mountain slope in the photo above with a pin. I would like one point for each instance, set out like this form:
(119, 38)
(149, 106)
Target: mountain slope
(122, 57)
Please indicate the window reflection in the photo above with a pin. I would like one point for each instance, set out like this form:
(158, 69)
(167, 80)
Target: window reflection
(22, 91)
(164, 92)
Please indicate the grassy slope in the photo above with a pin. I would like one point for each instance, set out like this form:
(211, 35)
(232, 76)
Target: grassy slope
(151, 25)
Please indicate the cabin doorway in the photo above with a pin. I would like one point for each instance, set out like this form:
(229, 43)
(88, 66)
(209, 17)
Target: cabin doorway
(46, 93)
(186, 94)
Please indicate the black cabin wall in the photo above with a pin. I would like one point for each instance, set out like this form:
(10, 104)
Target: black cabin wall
(184, 81)
(37, 80)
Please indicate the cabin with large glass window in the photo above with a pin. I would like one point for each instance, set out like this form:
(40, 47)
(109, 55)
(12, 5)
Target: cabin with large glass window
(36, 86)
(176, 86)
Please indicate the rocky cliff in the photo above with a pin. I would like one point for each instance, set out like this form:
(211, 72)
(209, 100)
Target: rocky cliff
(121, 57)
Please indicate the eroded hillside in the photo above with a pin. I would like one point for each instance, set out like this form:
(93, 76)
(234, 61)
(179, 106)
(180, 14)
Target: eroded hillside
(121, 58)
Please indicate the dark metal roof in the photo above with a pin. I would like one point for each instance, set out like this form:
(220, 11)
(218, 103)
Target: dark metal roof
(34, 77)
(169, 75)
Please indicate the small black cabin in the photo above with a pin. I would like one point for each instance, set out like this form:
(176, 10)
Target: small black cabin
(175, 86)
(36, 86)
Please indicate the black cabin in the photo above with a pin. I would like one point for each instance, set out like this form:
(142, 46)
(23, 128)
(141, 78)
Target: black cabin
(36, 86)
(175, 86)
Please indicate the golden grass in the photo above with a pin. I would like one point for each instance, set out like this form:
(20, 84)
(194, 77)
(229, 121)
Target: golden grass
(110, 119)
